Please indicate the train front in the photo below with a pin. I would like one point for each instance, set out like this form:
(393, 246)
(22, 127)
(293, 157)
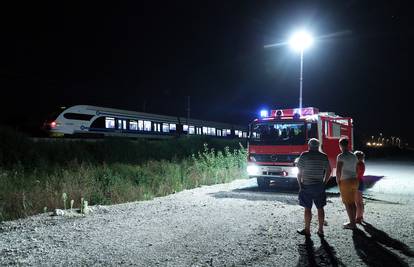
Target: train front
(275, 142)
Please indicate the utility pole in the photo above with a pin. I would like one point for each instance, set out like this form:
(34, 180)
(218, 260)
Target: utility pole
(188, 109)
(144, 105)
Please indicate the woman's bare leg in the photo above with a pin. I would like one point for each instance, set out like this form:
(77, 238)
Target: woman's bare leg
(351, 210)
(359, 206)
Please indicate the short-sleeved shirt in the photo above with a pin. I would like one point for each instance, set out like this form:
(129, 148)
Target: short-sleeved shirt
(360, 170)
(349, 161)
(313, 165)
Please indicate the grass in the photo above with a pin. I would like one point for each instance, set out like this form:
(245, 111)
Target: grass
(17, 149)
(35, 175)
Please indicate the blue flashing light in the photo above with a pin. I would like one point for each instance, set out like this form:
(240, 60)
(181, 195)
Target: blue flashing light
(264, 113)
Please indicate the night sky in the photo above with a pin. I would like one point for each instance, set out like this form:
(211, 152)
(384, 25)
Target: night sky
(149, 57)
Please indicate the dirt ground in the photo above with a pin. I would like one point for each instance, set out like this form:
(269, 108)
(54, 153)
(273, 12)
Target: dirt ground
(231, 224)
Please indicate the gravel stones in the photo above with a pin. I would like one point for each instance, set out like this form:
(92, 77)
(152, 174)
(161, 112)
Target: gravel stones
(220, 225)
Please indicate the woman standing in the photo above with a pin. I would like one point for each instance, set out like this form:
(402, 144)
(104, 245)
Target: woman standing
(347, 180)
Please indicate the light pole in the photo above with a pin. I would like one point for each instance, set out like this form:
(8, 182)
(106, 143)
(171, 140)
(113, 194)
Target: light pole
(299, 42)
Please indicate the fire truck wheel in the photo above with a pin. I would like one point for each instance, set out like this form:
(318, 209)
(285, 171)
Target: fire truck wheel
(263, 182)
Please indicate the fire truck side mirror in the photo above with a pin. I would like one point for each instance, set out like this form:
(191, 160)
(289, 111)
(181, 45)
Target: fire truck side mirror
(295, 162)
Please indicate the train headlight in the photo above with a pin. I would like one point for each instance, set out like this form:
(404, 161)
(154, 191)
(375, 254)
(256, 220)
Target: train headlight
(54, 124)
(253, 170)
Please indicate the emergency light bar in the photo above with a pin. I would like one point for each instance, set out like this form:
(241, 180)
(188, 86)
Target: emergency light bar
(264, 113)
(292, 111)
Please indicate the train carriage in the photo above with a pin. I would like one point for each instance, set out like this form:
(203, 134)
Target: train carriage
(93, 121)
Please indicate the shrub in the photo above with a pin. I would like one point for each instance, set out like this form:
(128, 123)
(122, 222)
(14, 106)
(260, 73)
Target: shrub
(26, 191)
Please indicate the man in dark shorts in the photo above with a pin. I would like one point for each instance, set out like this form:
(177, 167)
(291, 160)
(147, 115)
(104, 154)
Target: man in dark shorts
(314, 173)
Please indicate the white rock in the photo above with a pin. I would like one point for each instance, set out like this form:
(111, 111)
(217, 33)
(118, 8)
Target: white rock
(59, 212)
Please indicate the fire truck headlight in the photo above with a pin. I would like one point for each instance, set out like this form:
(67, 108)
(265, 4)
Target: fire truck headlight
(253, 170)
(295, 171)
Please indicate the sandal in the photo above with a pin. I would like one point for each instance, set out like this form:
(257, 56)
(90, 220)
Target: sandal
(302, 232)
(349, 226)
(320, 234)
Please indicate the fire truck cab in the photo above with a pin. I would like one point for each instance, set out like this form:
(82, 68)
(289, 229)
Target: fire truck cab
(276, 141)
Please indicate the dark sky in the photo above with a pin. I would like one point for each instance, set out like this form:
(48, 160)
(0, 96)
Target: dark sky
(135, 55)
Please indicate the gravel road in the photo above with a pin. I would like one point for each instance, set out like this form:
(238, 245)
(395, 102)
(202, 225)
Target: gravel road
(231, 224)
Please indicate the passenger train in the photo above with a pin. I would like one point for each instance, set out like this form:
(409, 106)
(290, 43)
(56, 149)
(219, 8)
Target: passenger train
(92, 121)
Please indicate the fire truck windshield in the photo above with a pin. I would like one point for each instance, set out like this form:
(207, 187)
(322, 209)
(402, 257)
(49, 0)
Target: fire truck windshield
(278, 133)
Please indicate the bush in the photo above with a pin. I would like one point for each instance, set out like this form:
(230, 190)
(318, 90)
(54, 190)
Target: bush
(113, 178)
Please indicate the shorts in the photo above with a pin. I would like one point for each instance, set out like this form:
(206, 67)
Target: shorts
(361, 186)
(310, 194)
(348, 189)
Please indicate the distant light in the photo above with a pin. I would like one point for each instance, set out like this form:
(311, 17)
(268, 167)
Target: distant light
(264, 113)
(368, 143)
(53, 124)
(301, 40)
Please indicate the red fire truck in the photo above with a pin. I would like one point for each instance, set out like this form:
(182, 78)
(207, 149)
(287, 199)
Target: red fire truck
(276, 141)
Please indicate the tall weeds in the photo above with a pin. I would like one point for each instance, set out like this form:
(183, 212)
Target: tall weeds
(113, 171)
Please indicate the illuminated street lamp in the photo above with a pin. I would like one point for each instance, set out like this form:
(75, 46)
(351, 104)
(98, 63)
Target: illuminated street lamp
(299, 42)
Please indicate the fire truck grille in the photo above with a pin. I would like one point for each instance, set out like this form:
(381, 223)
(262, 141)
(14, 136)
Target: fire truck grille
(273, 157)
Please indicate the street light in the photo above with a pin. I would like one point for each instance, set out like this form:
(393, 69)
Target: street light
(299, 42)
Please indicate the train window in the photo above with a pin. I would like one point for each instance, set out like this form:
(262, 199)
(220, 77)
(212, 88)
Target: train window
(191, 130)
(224, 132)
(124, 124)
(157, 127)
(78, 116)
(141, 125)
(147, 126)
(185, 128)
(236, 133)
(218, 132)
(228, 132)
(133, 125)
(244, 134)
(199, 130)
(205, 130)
(173, 127)
(109, 123)
(119, 124)
(240, 134)
(165, 128)
(211, 131)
